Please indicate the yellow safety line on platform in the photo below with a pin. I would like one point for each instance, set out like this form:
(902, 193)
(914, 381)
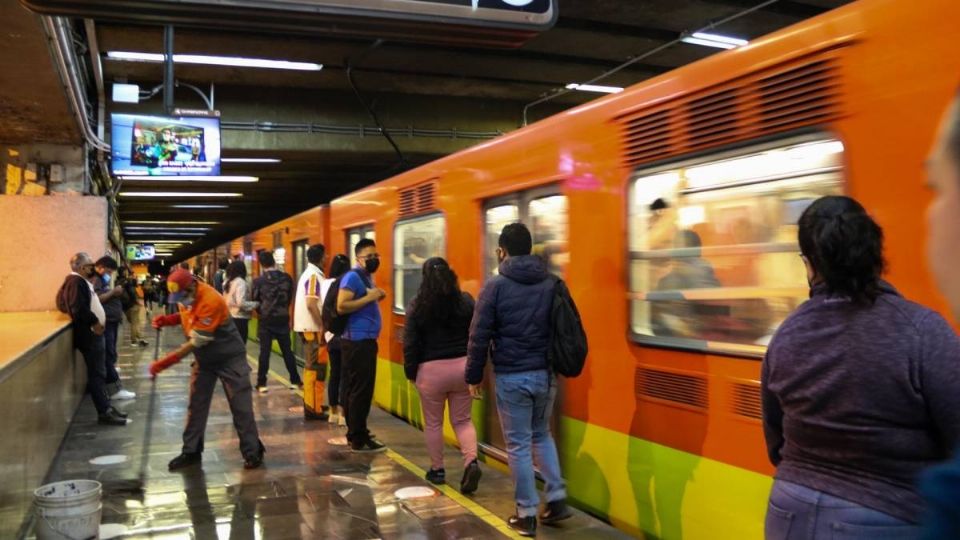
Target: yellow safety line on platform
(471, 506)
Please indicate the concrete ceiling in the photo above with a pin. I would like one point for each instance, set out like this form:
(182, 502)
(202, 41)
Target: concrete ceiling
(33, 106)
(467, 90)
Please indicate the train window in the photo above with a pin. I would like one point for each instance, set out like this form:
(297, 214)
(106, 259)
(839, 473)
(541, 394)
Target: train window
(545, 214)
(353, 236)
(414, 241)
(713, 244)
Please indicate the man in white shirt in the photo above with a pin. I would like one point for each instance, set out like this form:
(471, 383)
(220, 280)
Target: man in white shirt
(308, 323)
(77, 299)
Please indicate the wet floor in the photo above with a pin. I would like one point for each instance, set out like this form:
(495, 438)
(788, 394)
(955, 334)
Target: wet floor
(310, 487)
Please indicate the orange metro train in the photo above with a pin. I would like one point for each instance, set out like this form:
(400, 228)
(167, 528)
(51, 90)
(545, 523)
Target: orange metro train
(661, 434)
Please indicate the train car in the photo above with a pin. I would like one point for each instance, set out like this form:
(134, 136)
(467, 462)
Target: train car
(671, 210)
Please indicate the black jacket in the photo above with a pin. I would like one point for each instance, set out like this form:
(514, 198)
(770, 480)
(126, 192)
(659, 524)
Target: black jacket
(73, 298)
(512, 313)
(274, 291)
(424, 340)
(113, 307)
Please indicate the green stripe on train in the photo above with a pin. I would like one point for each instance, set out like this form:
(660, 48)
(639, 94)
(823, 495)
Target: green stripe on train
(665, 493)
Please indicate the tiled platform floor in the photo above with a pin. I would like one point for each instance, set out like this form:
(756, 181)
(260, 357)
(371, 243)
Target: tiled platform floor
(308, 488)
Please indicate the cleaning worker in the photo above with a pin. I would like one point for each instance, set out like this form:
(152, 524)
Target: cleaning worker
(220, 354)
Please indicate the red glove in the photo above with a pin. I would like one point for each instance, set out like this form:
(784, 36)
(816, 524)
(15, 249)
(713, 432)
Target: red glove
(166, 320)
(159, 365)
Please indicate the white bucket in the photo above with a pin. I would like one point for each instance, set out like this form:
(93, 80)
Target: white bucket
(68, 510)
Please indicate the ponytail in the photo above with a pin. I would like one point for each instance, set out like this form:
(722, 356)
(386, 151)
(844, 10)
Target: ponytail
(844, 245)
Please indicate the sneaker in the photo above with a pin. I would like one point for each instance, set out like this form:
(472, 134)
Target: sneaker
(117, 412)
(255, 461)
(333, 418)
(554, 512)
(262, 389)
(314, 416)
(437, 476)
(122, 395)
(525, 526)
(296, 386)
(342, 421)
(369, 447)
(143, 343)
(111, 418)
(471, 478)
(184, 460)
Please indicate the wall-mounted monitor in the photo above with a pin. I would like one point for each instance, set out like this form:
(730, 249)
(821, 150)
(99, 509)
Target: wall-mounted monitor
(140, 252)
(165, 145)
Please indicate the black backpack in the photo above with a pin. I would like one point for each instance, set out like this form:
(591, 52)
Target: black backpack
(333, 322)
(567, 351)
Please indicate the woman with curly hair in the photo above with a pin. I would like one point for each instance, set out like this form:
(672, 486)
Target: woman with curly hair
(434, 358)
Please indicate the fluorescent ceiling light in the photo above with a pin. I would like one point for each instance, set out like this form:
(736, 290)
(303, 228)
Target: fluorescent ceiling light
(164, 233)
(190, 178)
(231, 61)
(170, 241)
(595, 88)
(249, 160)
(145, 228)
(148, 222)
(199, 206)
(177, 194)
(714, 40)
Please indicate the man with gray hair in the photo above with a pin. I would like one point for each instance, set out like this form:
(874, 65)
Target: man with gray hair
(77, 299)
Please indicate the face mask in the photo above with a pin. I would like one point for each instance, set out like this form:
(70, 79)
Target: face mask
(106, 279)
(371, 265)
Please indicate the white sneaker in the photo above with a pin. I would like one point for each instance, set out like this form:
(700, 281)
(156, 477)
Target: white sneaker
(123, 394)
(333, 418)
(342, 421)
(262, 389)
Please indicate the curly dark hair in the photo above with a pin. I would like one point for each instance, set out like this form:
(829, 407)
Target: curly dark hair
(844, 245)
(236, 269)
(439, 296)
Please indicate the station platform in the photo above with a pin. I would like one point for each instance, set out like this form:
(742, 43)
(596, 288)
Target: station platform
(311, 485)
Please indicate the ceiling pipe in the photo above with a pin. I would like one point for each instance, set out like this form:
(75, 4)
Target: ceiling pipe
(66, 65)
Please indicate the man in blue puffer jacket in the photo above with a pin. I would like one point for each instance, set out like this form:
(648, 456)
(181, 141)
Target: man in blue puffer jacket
(511, 321)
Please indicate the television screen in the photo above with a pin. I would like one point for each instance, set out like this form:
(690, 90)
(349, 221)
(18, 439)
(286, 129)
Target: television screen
(165, 146)
(140, 252)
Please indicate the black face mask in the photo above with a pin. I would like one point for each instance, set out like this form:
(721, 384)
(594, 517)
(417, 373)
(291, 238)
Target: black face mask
(371, 265)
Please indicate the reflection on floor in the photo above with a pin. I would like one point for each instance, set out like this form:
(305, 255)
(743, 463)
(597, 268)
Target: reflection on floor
(309, 488)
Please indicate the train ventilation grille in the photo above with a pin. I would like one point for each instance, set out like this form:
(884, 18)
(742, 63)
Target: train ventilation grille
(419, 199)
(680, 388)
(795, 94)
(746, 400)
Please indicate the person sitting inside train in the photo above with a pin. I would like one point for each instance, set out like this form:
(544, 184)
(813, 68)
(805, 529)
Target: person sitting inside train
(688, 270)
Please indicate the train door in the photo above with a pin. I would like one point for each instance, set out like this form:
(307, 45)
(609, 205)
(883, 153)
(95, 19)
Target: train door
(299, 265)
(544, 212)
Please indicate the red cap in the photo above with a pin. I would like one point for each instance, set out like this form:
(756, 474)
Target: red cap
(177, 283)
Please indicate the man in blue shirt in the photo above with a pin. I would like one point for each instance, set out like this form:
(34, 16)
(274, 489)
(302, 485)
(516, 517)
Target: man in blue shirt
(358, 298)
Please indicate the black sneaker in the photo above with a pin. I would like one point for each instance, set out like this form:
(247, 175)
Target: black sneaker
(111, 418)
(471, 478)
(255, 461)
(554, 512)
(184, 460)
(525, 526)
(143, 343)
(307, 415)
(437, 476)
(372, 445)
(117, 412)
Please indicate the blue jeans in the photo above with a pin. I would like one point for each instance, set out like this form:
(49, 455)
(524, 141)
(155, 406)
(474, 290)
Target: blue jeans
(525, 403)
(796, 512)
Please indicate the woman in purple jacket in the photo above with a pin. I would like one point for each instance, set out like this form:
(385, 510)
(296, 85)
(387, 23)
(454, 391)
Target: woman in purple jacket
(860, 390)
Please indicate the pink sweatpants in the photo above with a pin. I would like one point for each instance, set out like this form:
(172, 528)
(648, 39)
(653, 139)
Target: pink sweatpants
(439, 382)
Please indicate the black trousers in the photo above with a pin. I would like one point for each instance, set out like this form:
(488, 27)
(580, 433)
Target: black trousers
(243, 326)
(94, 356)
(359, 373)
(110, 333)
(335, 354)
(266, 334)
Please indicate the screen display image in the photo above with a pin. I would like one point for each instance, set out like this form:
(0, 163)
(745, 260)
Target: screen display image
(140, 252)
(165, 146)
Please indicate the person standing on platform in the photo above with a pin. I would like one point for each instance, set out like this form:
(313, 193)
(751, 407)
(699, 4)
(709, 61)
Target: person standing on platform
(338, 268)
(110, 295)
(358, 298)
(308, 324)
(513, 315)
(77, 298)
(941, 485)
(235, 292)
(274, 292)
(220, 355)
(220, 276)
(132, 306)
(435, 358)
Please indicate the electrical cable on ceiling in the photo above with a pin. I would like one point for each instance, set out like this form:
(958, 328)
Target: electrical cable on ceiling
(651, 52)
(350, 64)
